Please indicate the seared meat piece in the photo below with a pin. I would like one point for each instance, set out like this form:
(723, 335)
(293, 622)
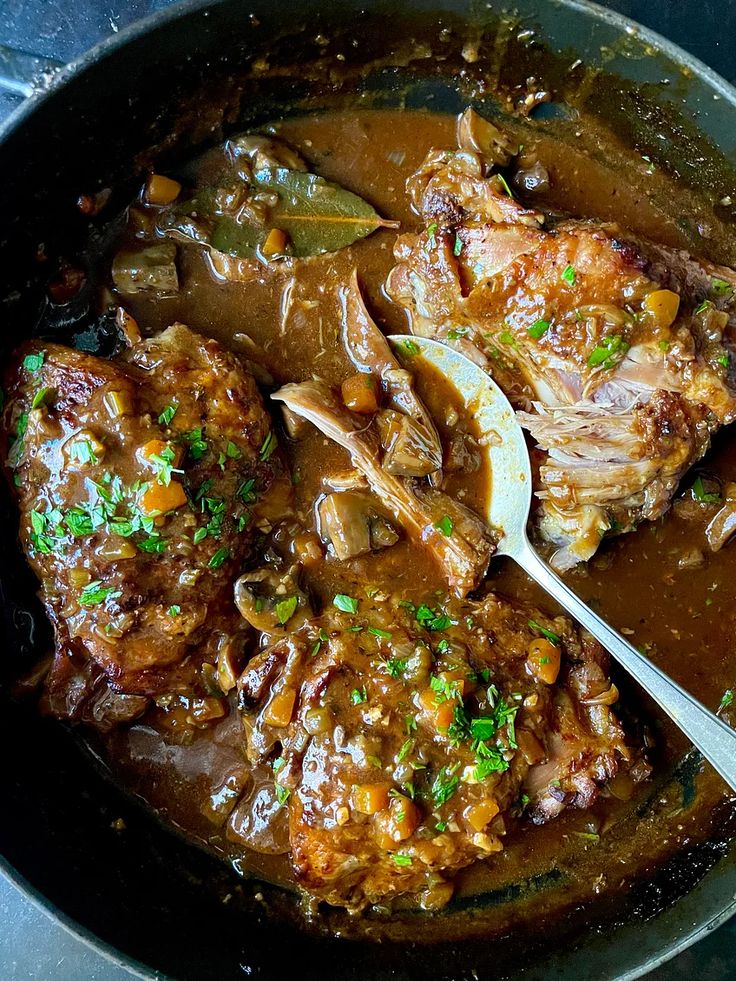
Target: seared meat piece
(616, 351)
(463, 554)
(407, 739)
(136, 478)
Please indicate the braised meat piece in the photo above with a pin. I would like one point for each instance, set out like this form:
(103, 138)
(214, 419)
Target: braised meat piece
(424, 512)
(136, 480)
(617, 352)
(405, 740)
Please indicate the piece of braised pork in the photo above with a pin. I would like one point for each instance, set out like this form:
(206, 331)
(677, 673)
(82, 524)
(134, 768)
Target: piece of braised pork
(136, 478)
(406, 740)
(616, 352)
(460, 542)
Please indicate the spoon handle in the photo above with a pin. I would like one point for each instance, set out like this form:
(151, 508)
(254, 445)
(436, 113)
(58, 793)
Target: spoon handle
(715, 740)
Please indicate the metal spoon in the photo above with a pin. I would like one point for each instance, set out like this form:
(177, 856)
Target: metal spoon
(508, 512)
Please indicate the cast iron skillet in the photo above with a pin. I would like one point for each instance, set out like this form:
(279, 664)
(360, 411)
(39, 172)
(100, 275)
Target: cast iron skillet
(145, 897)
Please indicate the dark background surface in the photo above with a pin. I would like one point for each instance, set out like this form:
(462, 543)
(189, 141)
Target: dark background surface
(31, 946)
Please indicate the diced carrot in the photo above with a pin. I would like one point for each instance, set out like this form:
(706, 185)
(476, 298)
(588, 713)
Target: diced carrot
(279, 710)
(662, 305)
(275, 244)
(370, 798)
(441, 712)
(405, 817)
(154, 447)
(444, 714)
(543, 660)
(359, 393)
(480, 815)
(160, 498)
(161, 190)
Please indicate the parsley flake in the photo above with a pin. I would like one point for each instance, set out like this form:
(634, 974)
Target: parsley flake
(346, 603)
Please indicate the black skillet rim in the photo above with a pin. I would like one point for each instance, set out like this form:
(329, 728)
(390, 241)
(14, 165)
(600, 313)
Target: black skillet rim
(128, 36)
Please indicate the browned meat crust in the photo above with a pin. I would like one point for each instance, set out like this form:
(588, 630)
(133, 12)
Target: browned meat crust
(591, 332)
(407, 753)
(136, 478)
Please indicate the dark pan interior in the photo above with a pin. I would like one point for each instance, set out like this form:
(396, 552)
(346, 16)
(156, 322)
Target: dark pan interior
(145, 891)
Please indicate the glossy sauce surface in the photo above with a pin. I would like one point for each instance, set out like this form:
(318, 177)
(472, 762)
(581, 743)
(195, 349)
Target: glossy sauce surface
(682, 614)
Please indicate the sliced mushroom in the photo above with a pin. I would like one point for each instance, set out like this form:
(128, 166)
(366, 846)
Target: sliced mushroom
(353, 526)
(149, 270)
(271, 601)
(409, 450)
(479, 134)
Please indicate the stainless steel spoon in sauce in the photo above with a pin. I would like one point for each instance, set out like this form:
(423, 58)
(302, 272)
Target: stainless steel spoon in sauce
(508, 513)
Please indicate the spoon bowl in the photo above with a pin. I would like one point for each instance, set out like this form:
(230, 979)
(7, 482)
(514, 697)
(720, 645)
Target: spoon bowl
(508, 514)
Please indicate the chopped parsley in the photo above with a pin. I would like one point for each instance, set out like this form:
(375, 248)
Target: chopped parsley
(282, 794)
(441, 826)
(726, 700)
(609, 352)
(164, 465)
(569, 275)
(167, 415)
(504, 184)
(401, 860)
(198, 446)
(82, 452)
(286, 608)
(445, 784)
(395, 666)
(346, 603)
(358, 696)
(724, 359)
(506, 337)
(445, 525)
(246, 492)
(406, 748)
(152, 544)
(40, 397)
(720, 287)
(432, 234)
(411, 347)
(551, 636)
(174, 610)
(444, 646)
(456, 333)
(457, 248)
(538, 329)
(377, 632)
(219, 557)
(268, 446)
(232, 451)
(705, 305)
(432, 619)
(701, 495)
(95, 593)
(33, 362)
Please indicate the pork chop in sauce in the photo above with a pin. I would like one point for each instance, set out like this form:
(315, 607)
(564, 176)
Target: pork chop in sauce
(409, 740)
(617, 352)
(137, 478)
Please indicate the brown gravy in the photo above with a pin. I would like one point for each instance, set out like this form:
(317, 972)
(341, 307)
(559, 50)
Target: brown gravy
(683, 616)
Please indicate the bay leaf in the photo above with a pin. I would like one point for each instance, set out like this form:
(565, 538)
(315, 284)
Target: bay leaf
(317, 215)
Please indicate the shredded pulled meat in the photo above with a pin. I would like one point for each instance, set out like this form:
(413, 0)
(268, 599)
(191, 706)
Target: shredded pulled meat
(135, 479)
(407, 741)
(616, 352)
(464, 555)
